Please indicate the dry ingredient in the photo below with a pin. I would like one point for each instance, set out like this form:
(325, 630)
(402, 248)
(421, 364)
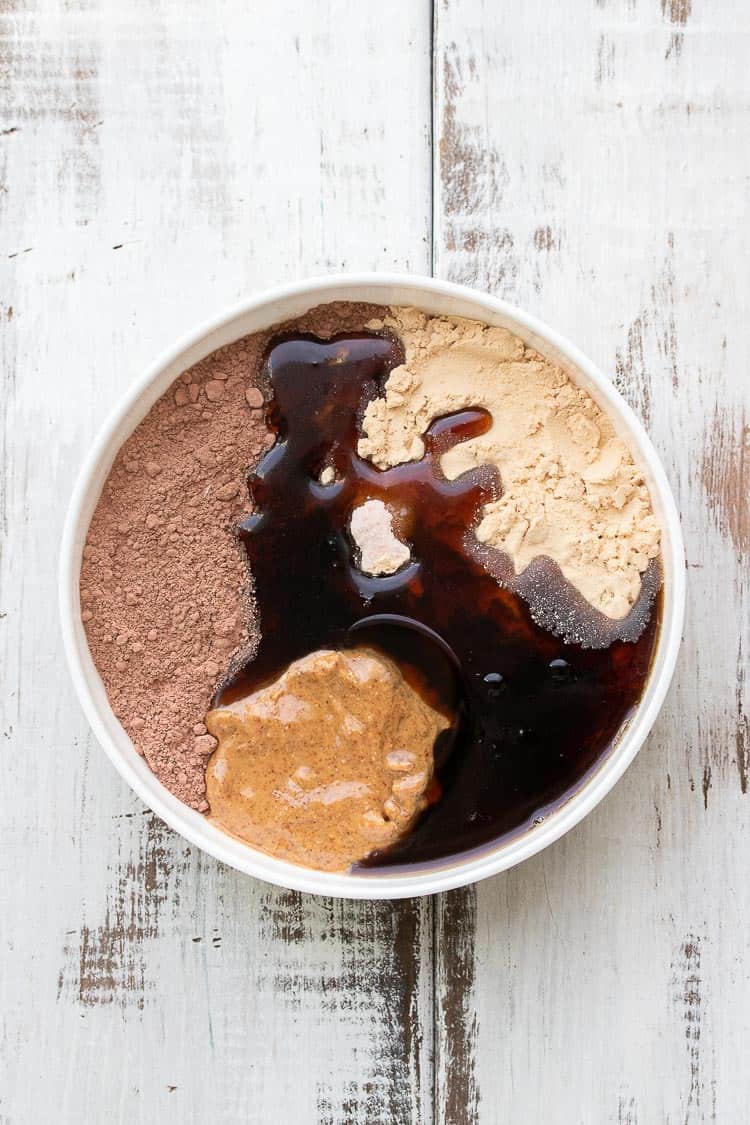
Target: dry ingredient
(166, 598)
(570, 489)
(380, 552)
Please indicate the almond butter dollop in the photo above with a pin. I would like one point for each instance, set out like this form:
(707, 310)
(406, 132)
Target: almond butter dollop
(325, 765)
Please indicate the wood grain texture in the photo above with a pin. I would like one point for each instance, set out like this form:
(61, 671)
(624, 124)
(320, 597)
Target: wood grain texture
(158, 161)
(591, 165)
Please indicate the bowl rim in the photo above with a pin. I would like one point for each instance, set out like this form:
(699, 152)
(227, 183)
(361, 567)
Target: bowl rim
(381, 883)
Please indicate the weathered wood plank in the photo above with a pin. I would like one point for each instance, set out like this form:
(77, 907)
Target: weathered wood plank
(158, 161)
(592, 167)
(455, 1079)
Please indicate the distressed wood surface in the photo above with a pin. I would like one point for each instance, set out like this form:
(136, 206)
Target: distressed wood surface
(586, 159)
(592, 165)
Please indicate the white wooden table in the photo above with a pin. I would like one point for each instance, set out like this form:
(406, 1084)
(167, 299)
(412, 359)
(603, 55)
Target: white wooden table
(586, 159)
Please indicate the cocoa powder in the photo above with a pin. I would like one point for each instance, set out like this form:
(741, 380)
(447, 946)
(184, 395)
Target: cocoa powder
(166, 594)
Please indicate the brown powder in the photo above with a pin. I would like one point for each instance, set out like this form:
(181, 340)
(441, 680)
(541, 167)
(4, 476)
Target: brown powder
(166, 598)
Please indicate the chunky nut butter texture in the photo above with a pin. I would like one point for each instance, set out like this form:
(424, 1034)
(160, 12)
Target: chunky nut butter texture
(326, 764)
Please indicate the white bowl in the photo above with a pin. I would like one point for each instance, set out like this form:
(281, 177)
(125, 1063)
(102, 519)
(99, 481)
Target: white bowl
(261, 312)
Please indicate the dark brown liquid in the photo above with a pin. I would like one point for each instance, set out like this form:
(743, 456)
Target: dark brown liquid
(532, 713)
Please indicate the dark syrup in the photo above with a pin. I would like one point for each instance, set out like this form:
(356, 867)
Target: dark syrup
(532, 713)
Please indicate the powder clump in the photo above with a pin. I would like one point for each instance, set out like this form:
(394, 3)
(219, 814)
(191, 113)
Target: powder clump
(372, 531)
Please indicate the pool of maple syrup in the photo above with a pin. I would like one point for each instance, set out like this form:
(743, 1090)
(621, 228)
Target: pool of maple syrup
(532, 712)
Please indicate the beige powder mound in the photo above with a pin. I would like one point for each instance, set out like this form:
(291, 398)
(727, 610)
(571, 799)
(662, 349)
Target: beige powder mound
(570, 489)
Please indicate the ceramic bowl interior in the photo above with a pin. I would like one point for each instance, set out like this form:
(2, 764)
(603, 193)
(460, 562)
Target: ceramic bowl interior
(261, 312)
